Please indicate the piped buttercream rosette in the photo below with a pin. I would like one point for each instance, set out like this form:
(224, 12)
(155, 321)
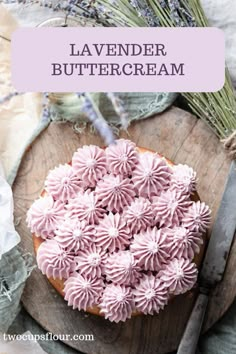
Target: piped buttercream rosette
(90, 164)
(122, 158)
(120, 228)
(63, 183)
(45, 216)
(86, 206)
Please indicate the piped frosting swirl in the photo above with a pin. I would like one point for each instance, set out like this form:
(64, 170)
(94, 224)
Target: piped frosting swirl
(86, 207)
(122, 157)
(91, 261)
(90, 164)
(82, 292)
(150, 295)
(115, 192)
(197, 217)
(112, 233)
(122, 268)
(170, 207)
(150, 249)
(179, 275)
(139, 215)
(183, 243)
(63, 183)
(54, 261)
(183, 179)
(117, 303)
(45, 216)
(151, 175)
(74, 234)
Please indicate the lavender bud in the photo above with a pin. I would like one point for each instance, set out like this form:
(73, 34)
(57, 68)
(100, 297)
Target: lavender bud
(95, 117)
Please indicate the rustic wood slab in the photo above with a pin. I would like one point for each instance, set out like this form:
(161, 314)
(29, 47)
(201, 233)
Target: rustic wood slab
(180, 137)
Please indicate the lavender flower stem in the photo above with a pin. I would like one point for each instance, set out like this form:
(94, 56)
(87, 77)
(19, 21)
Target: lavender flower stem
(8, 97)
(98, 121)
(119, 108)
(46, 110)
(123, 13)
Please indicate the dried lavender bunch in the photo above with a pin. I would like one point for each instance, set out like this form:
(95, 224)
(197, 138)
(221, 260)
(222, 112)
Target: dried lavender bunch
(111, 12)
(123, 12)
(129, 13)
(86, 9)
(178, 11)
(217, 109)
(145, 11)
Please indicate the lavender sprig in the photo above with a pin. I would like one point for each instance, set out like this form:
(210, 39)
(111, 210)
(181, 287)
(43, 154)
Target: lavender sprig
(46, 109)
(8, 97)
(122, 13)
(217, 109)
(145, 11)
(119, 108)
(95, 117)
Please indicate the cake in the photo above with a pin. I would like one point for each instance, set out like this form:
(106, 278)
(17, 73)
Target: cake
(118, 231)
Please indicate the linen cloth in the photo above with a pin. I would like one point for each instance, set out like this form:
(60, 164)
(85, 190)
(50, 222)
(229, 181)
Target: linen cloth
(20, 118)
(222, 14)
(9, 237)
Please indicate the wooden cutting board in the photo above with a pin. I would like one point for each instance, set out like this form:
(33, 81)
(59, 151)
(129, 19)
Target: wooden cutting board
(180, 137)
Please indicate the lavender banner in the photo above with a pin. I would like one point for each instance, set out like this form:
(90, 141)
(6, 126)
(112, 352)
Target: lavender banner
(118, 59)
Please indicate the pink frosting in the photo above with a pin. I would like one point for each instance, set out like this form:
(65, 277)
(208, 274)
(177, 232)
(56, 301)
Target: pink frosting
(54, 261)
(86, 207)
(197, 217)
(150, 295)
(121, 229)
(183, 243)
(180, 275)
(122, 157)
(115, 192)
(82, 292)
(117, 303)
(112, 233)
(90, 164)
(44, 216)
(139, 215)
(170, 207)
(91, 261)
(151, 175)
(122, 268)
(63, 183)
(183, 179)
(149, 248)
(74, 234)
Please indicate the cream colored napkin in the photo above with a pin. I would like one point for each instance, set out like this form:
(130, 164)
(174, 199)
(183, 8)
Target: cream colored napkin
(20, 118)
(9, 238)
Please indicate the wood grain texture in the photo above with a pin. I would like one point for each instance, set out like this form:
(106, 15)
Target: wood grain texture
(183, 139)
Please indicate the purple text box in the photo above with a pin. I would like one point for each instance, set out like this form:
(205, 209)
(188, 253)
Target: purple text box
(123, 59)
